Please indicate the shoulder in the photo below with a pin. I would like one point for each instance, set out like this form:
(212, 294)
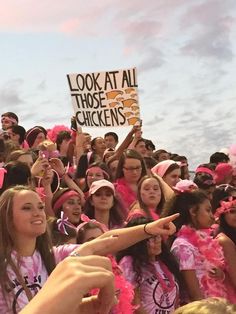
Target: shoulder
(225, 241)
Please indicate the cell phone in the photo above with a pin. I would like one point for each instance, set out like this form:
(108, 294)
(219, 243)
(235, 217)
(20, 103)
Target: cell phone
(73, 124)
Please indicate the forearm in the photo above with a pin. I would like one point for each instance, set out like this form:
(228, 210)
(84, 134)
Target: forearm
(127, 237)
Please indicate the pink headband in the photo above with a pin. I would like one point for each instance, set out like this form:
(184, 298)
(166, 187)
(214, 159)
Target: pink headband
(9, 119)
(87, 220)
(225, 207)
(206, 170)
(2, 174)
(64, 197)
(32, 130)
(162, 167)
(99, 169)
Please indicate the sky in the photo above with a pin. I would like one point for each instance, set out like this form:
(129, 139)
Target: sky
(184, 52)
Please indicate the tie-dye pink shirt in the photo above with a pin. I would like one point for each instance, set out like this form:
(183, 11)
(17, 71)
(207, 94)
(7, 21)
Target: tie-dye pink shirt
(34, 274)
(153, 299)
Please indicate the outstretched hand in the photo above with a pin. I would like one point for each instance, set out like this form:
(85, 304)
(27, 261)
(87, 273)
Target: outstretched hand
(73, 278)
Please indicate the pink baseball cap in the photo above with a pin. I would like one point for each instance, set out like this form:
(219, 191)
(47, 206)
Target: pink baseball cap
(185, 186)
(96, 185)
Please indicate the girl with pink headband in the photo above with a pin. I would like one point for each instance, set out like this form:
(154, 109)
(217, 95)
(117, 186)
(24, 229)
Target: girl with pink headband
(226, 235)
(69, 202)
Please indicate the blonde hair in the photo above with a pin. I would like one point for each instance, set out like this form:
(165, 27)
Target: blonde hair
(208, 306)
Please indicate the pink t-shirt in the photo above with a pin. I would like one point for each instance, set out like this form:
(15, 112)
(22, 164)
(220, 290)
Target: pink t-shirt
(153, 299)
(34, 274)
(190, 258)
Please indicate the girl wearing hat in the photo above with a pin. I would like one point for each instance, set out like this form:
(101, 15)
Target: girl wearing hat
(169, 171)
(226, 235)
(103, 205)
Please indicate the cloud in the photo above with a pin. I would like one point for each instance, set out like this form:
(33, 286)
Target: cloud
(210, 24)
(41, 86)
(153, 121)
(10, 94)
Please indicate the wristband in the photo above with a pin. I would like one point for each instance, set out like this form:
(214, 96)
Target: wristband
(145, 230)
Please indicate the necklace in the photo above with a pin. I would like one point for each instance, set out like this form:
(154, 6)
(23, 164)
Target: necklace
(166, 285)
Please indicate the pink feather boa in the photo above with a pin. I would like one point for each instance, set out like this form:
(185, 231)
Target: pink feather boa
(125, 291)
(126, 194)
(210, 251)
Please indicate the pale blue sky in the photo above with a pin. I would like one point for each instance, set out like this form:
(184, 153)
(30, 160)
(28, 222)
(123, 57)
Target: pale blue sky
(184, 52)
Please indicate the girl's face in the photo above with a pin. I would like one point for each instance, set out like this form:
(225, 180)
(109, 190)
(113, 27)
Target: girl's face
(91, 234)
(154, 247)
(203, 217)
(72, 209)
(99, 146)
(150, 192)
(94, 174)
(172, 178)
(103, 199)
(132, 170)
(230, 217)
(27, 159)
(39, 139)
(29, 218)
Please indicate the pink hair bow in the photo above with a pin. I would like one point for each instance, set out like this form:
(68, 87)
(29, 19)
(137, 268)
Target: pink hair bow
(86, 220)
(62, 223)
(2, 174)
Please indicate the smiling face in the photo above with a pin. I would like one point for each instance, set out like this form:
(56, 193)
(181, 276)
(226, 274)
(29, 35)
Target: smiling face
(72, 209)
(29, 218)
(150, 192)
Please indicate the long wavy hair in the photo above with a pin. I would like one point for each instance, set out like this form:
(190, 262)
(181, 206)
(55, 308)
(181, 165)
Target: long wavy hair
(43, 242)
(159, 206)
(140, 257)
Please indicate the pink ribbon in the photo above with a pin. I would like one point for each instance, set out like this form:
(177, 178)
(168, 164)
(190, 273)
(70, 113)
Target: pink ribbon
(62, 223)
(2, 174)
(86, 220)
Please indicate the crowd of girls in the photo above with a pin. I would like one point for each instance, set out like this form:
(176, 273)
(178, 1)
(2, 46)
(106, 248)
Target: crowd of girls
(63, 195)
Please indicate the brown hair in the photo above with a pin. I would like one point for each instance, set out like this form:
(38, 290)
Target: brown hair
(43, 242)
